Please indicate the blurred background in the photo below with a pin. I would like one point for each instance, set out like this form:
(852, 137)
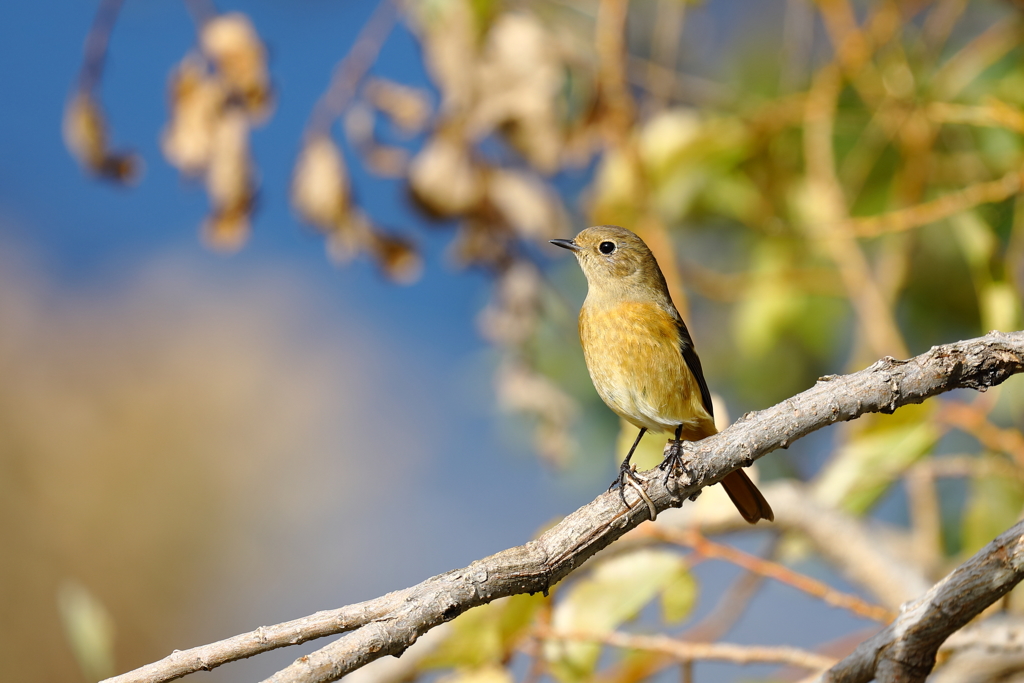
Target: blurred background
(280, 329)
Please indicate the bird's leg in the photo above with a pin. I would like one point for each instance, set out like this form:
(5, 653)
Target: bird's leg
(674, 458)
(626, 470)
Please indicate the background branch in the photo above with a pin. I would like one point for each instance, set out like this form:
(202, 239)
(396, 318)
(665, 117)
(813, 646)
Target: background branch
(905, 651)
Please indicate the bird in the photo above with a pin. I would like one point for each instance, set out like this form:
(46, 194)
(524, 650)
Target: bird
(641, 356)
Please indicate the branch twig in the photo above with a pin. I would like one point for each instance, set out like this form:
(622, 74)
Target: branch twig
(390, 624)
(703, 546)
(688, 651)
(96, 45)
(350, 70)
(905, 651)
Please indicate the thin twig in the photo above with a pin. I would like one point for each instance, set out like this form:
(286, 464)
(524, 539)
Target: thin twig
(966, 65)
(774, 570)
(731, 606)
(925, 516)
(688, 651)
(960, 466)
(610, 46)
(96, 43)
(935, 210)
(869, 303)
(975, 422)
(352, 68)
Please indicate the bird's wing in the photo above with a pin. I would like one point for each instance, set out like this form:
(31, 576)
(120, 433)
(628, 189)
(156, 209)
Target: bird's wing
(693, 362)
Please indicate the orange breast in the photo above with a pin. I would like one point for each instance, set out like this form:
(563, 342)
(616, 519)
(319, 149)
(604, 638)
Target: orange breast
(633, 354)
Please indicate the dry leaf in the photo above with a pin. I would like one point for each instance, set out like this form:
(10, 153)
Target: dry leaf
(529, 206)
(197, 100)
(231, 42)
(229, 182)
(397, 258)
(320, 191)
(443, 177)
(510, 318)
(449, 50)
(408, 107)
(85, 134)
(518, 85)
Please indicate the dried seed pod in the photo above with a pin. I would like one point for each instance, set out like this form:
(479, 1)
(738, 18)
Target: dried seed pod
(232, 44)
(197, 101)
(229, 182)
(397, 257)
(383, 160)
(443, 177)
(351, 235)
(522, 389)
(85, 134)
(526, 203)
(408, 107)
(482, 243)
(228, 230)
(510, 318)
(518, 82)
(320, 191)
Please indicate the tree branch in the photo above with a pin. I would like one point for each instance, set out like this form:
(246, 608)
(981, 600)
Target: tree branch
(390, 624)
(905, 651)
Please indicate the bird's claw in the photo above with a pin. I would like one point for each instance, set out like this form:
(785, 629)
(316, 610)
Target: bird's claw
(674, 461)
(627, 477)
(627, 473)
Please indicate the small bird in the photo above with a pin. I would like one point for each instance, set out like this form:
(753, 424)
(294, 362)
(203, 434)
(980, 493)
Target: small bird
(640, 354)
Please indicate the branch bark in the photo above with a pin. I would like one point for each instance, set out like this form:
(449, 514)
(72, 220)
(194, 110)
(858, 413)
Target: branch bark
(390, 624)
(905, 650)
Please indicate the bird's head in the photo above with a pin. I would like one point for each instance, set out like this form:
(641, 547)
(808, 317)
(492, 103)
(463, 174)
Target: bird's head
(615, 260)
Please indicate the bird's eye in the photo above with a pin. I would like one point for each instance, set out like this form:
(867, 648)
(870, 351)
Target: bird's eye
(606, 247)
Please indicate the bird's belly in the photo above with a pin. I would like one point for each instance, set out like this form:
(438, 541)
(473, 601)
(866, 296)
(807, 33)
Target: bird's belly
(638, 369)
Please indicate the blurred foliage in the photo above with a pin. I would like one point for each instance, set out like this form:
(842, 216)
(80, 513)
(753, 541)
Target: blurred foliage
(835, 183)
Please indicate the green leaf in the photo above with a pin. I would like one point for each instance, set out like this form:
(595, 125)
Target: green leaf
(485, 634)
(679, 596)
(864, 468)
(491, 673)
(994, 506)
(1000, 307)
(89, 628)
(769, 305)
(614, 592)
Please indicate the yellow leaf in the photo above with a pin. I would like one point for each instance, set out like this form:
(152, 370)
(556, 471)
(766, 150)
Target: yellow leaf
(614, 592)
(679, 596)
(994, 506)
(864, 468)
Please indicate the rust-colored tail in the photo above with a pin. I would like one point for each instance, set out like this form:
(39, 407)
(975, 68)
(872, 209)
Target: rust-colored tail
(747, 499)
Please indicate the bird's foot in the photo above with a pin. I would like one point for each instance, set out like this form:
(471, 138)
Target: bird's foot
(674, 461)
(627, 477)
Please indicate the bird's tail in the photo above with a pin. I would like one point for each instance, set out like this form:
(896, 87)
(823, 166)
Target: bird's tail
(747, 499)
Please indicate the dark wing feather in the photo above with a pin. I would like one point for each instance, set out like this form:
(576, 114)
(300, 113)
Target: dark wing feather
(693, 362)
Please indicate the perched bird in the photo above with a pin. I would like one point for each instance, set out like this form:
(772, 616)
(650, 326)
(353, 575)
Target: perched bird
(640, 354)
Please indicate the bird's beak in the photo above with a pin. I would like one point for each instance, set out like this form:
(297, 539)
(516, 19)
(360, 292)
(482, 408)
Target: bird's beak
(566, 244)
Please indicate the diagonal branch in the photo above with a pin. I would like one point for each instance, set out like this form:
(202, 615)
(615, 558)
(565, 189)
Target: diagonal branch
(390, 624)
(905, 651)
